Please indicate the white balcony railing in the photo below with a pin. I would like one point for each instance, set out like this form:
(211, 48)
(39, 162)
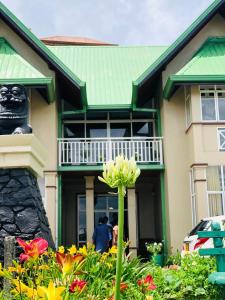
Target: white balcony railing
(99, 150)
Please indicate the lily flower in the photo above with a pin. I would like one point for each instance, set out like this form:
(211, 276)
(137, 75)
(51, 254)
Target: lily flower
(147, 283)
(51, 292)
(77, 286)
(32, 249)
(67, 261)
(20, 287)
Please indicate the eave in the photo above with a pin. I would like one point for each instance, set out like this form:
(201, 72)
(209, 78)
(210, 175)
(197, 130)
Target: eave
(175, 81)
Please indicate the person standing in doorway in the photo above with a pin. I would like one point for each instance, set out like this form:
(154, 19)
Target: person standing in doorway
(101, 236)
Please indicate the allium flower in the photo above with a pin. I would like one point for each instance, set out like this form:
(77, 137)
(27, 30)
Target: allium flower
(32, 249)
(121, 172)
(77, 286)
(67, 261)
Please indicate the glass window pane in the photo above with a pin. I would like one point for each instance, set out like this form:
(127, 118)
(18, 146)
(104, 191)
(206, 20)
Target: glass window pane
(208, 109)
(96, 130)
(74, 130)
(141, 129)
(221, 105)
(120, 130)
(82, 226)
(100, 202)
(214, 181)
(215, 205)
(113, 202)
(82, 203)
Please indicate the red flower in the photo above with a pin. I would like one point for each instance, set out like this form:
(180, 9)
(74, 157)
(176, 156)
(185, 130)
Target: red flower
(147, 283)
(77, 285)
(32, 249)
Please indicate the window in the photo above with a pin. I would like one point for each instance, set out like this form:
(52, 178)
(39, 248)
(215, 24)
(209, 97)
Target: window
(188, 105)
(82, 226)
(221, 139)
(193, 198)
(216, 190)
(213, 103)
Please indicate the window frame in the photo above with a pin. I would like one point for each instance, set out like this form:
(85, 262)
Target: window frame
(220, 192)
(215, 89)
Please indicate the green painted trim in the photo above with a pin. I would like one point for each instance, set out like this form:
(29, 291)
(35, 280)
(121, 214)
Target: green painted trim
(41, 48)
(100, 168)
(109, 107)
(59, 239)
(164, 216)
(150, 110)
(134, 95)
(34, 82)
(73, 112)
(186, 35)
(180, 42)
(177, 80)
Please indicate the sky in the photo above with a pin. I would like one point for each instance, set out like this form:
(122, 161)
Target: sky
(124, 22)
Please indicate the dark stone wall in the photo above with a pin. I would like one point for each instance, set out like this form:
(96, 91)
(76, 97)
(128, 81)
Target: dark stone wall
(22, 213)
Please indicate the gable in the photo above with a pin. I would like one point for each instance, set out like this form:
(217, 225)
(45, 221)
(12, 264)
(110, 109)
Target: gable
(152, 75)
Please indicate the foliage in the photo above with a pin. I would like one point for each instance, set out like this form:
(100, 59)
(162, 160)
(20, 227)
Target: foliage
(85, 274)
(154, 248)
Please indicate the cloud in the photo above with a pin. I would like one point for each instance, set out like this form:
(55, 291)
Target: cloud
(124, 22)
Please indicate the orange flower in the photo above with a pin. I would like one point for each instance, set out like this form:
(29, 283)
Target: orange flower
(67, 261)
(32, 249)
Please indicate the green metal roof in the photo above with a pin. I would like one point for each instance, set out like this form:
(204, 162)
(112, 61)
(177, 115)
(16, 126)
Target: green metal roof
(15, 69)
(207, 65)
(108, 70)
(175, 48)
(13, 66)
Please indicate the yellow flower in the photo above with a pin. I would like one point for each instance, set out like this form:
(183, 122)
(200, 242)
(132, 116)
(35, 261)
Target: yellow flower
(20, 287)
(72, 250)
(43, 267)
(83, 251)
(109, 265)
(104, 256)
(61, 249)
(149, 298)
(18, 269)
(51, 292)
(113, 250)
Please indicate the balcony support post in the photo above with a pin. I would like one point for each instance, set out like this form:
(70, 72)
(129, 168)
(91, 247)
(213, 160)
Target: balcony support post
(132, 220)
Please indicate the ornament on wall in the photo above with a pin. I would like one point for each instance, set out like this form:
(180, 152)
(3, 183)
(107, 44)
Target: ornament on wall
(14, 108)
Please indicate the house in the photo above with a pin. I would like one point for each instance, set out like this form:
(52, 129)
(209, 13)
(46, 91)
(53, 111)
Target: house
(90, 101)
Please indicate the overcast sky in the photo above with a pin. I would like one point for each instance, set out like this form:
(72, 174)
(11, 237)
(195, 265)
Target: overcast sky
(125, 22)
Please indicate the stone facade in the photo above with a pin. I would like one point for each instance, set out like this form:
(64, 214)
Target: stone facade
(22, 213)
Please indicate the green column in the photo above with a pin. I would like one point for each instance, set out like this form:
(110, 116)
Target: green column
(59, 209)
(163, 203)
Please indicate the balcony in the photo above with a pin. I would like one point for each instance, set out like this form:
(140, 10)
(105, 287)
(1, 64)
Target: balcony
(96, 151)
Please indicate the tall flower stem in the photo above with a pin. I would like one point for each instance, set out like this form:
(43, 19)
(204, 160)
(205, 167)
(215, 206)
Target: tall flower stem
(120, 241)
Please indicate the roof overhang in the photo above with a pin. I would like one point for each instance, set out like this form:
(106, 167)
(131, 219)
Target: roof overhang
(147, 80)
(175, 81)
(40, 48)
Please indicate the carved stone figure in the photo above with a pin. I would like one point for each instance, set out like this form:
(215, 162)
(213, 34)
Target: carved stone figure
(13, 110)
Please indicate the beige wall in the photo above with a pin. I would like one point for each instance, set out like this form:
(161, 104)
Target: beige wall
(183, 148)
(216, 27)
(177, 162)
